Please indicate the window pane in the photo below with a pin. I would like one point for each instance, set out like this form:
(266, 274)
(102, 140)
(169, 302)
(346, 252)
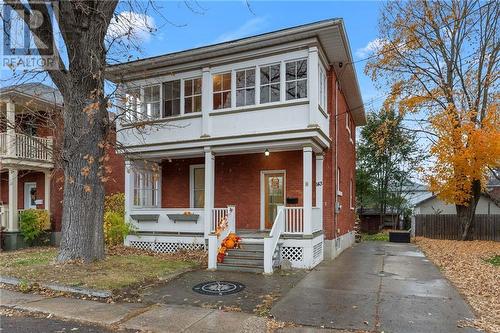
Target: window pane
(199, 178)
(290, 71)
(226, 81)
(290, 90)
(167, 90)
(275, 73)
(217, 81)
(264, 94)
(226, 98)
(188, 105)
(250, 96)
(176, 107)
(264, 75)
(302, 89)
(217, 101)
(275, 93)
(301, 69)
(188, 87)
(240, 79)
(197, 104)
(168, 108)
(240, 97)
(199, 198)
(250, 78)
(197, 86)
(176, 89)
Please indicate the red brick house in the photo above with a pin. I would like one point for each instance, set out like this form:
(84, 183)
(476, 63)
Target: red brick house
(29, 141)
(259, 132)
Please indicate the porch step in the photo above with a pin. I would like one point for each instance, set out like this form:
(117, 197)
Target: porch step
(246, 253)
(257, 247)
(240, 268)
(236, 260)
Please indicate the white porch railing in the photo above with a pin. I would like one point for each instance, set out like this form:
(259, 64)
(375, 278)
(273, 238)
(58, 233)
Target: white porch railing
(316, 219)
(214, 240)
(294, 220)
(271, 242)
(26, 147)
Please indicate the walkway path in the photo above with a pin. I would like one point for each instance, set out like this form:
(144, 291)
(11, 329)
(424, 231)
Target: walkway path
(376, 286)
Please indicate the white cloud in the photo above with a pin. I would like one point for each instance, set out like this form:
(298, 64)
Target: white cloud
(132, 25)
(372, 46)
(248, 28)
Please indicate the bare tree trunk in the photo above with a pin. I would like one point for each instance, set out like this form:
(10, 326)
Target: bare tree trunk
(466, 213)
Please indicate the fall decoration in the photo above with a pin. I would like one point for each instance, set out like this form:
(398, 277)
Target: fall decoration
(232, 241)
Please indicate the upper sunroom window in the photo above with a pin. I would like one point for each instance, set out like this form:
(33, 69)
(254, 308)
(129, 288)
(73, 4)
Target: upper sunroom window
(296, 79)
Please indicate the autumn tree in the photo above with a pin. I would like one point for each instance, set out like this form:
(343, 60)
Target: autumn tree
(441, 60)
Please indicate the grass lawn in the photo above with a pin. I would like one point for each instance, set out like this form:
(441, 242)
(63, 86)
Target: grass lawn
(120, 269)
(381, 237)
(474, 268)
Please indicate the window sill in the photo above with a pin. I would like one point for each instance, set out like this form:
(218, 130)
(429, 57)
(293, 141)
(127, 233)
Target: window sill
(258, 107)
(161, 120)
(339, 193)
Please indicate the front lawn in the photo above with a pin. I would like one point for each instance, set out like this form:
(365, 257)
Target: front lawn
(473, 267)
(121, 268)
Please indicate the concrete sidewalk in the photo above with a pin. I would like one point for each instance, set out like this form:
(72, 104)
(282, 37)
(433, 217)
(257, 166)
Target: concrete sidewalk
(376, 286)
(152, 318)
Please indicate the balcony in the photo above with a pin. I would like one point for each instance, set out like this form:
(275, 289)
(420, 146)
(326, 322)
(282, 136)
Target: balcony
(22, 149)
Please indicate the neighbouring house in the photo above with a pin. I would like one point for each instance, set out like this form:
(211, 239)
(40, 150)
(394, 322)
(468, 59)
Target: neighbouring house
(29, 143)
(433, 205)
(371, 223)
(254, 136)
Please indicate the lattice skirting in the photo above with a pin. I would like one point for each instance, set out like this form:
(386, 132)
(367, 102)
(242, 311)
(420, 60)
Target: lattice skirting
(294, 254)
(165, 245)
(303, 253)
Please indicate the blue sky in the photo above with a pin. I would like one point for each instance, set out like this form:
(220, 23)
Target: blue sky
(207, 22)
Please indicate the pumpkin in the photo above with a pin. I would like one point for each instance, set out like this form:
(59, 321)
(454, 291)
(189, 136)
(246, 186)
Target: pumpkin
(229, 243)
(222, 250)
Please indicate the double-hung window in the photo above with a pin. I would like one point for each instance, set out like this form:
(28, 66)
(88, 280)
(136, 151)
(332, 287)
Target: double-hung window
(171, 98)
(132, 104)
(270, 83)
(146, 187)
(192, 95)
(222, 91)
(296, 79)
(197, 192)
(151, 102)
(245, 87)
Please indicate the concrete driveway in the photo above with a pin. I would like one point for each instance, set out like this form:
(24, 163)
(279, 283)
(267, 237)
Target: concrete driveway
(376, 286)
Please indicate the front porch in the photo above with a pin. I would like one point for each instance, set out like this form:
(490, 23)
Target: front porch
(273, 198)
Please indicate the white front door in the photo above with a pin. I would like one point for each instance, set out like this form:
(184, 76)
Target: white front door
(29, 195)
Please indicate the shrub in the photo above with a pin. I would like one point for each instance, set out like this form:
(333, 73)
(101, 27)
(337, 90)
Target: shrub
(32, 223)
(115, 226)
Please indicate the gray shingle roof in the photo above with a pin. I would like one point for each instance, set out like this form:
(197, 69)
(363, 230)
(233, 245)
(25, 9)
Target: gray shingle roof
(37, 90)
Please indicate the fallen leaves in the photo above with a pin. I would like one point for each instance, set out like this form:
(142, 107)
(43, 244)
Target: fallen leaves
(463, 263)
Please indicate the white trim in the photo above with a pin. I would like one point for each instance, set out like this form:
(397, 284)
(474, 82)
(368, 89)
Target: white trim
(27, 200)
(191, 183)
(263, 195)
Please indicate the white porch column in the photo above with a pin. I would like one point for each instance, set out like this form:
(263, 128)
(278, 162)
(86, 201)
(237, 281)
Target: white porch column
(206, 101)
(11, 124)
(319, 182)
(307, 192)
(313, 83)
(47, 190)
(13, 222)
(209, 189)
(128, 188)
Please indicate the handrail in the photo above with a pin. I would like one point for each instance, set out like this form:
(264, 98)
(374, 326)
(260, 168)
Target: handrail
(26, 147)
(214, 240)
(271, 242)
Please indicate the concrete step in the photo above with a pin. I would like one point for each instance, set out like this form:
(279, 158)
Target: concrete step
(246, 253)
(243, 261)
(240, 268)
(251, 247)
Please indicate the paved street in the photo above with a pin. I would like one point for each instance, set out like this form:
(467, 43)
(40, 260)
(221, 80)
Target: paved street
(376, 286)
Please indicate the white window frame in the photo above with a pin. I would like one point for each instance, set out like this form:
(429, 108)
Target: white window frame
(323, 91)
(296, 80)
(145, 114)
(222, 91)
(163, 99)
(140, 188)
(245, 87)
(192, 96)
(351, 193)
(192, 167)
(132, 104)
(339, 192)
(269, 84)
(348, 125)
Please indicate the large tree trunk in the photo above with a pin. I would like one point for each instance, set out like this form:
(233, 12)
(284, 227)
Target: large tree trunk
(466, 213)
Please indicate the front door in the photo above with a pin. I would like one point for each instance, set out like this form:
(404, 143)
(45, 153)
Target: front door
(29, 195)
(274, 196)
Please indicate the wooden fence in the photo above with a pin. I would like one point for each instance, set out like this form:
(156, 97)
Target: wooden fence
(444, 226)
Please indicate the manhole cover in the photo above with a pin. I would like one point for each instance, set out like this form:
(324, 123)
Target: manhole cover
(219, 288)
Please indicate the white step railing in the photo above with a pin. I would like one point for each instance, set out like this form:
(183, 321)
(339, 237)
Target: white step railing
(294, 220)
(271, 242)
(26, 147)
(225, 218)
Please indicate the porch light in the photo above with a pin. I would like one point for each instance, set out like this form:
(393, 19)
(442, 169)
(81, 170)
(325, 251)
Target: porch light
(267, 152)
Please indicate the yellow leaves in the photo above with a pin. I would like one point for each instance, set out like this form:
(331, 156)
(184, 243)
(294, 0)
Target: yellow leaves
(85, 171)
(87, 188)
(463, 153)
